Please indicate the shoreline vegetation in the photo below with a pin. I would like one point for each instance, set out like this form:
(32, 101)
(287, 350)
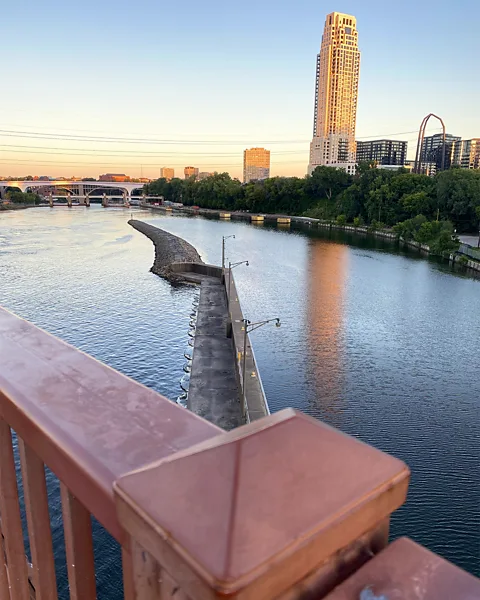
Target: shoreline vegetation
(421, 210)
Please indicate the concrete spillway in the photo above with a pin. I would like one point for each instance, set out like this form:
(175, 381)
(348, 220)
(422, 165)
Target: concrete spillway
(214, 391)
(169, 249)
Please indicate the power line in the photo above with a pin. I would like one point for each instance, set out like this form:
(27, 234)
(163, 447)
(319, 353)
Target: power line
(100, 139)
(129, 152)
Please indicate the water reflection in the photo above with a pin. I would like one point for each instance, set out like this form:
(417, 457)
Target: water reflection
(327, 269)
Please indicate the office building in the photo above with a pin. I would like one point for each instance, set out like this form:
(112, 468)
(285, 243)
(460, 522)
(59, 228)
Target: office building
(383, 152)
(256, 164)
(204, 175)
(190, 172)
(432, 149)
(336, 94)
(466, 154)
(119, 177)
(167, 173)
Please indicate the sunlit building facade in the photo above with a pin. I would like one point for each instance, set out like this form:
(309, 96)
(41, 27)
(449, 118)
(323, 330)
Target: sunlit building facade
(190, 172)
(167, 173)
(466, 153)
(113, 177)
(336, 95)
(256, 164)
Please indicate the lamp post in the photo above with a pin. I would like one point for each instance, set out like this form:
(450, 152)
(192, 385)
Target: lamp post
(248, 328)
(225, 237)
(230, 267)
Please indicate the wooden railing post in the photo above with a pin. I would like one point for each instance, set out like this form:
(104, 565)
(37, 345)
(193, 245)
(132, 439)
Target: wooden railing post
(38, 520)
(256, 511)
(10, 516)
(78, 547)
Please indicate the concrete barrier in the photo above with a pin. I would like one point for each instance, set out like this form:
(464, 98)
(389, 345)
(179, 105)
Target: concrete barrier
(194, 267)
(253, 397)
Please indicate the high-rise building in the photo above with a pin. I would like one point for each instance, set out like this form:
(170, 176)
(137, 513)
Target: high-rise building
(336, 94)
(432, 149)
(167, 173)
(256, 164)
(466, 153)
(190, 172)
(383, 152)
(204, 175)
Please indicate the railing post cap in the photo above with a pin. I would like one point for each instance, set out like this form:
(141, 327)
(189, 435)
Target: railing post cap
(260, 498)
(406, 571)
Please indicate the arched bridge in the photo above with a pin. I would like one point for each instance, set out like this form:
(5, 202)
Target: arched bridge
(80, 190)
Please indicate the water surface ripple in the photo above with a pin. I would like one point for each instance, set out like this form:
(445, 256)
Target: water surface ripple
(383, 345)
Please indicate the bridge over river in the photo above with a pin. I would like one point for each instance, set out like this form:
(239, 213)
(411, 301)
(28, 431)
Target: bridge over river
(81, 191)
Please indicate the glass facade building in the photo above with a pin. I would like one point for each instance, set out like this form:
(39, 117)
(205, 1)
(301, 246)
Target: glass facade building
(383, 152)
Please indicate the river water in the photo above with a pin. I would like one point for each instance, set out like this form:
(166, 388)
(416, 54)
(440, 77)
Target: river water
(381, 344)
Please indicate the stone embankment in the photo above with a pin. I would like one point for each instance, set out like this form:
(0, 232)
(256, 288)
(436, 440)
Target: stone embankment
(169, 249)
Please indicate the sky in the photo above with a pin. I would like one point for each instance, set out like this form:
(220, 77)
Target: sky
(128, 87)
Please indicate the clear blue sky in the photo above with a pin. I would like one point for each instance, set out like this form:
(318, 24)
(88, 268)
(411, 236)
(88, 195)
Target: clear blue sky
(218, 71)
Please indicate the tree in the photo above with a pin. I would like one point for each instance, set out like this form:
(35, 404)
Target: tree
(458, 195)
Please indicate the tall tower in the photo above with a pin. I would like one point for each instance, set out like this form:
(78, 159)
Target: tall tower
(336, 94)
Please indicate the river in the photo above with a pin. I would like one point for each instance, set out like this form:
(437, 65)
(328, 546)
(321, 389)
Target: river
(382, 344)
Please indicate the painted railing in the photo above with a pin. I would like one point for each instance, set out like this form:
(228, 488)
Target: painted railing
(285, 507)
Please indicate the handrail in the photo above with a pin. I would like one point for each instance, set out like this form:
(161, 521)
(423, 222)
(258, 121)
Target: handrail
(279, 509)
(88, 423)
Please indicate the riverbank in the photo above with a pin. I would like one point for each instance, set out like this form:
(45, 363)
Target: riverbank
(11, 206)
(309, 222)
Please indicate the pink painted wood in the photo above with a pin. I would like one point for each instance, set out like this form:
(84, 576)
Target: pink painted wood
(78, 547)
(10, 515)
(38, 519)
(88, 423)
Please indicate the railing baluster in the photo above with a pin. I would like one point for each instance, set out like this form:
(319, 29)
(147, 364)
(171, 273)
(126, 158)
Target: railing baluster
(78, 546)
(11, 523)
(38, 520)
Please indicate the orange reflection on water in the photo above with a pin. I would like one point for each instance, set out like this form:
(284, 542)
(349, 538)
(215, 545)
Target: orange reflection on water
(328, 263)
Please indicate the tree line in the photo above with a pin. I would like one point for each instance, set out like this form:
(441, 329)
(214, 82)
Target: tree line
(372, 195)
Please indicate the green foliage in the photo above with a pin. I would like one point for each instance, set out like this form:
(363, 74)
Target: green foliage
(381, 198)
(358, 221)
(18, 197)
(458, 196)
(438, 235)
(341, 220)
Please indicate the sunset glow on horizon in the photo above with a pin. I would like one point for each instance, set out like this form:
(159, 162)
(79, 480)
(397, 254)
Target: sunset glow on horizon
(101, 87)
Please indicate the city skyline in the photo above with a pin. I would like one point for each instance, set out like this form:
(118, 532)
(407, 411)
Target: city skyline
(46, 106)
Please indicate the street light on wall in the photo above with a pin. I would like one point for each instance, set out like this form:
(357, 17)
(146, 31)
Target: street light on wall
(248, 327)
(225, 237)
(230, 267)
